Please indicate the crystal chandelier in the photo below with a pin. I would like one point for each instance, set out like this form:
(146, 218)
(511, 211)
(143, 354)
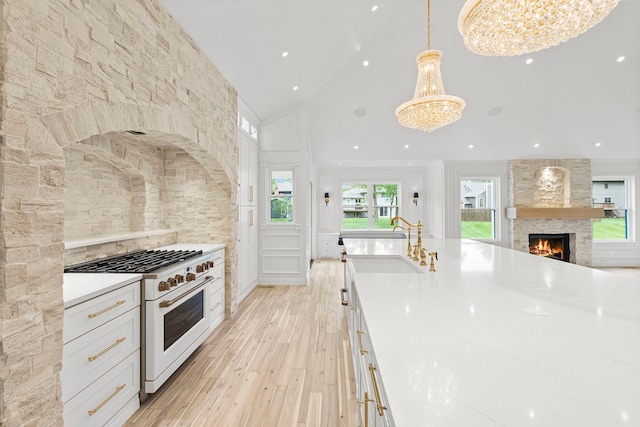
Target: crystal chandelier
(514, 27)
(430, 107)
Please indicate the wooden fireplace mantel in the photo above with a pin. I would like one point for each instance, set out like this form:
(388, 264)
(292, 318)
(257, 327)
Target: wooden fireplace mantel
(553, 213)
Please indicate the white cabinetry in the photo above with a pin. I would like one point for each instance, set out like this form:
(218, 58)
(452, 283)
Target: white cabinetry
(101, 358)
(372, 407)
(248, 227)
(327, 245)
(216, 289)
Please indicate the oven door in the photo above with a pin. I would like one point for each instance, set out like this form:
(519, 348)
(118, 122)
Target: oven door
(176, 324)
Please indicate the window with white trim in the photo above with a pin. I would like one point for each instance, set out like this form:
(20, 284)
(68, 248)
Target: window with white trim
(478, 209)
(613, 194)
(368, 206)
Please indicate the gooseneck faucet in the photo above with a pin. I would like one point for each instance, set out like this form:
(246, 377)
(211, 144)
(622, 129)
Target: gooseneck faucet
(419, 226)
(408, 229)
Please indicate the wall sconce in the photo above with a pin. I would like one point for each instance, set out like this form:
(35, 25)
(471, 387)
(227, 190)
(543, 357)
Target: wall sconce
(326, 199)
(415, 199)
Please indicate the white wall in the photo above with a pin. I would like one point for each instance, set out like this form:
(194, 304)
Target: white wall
(426, 181)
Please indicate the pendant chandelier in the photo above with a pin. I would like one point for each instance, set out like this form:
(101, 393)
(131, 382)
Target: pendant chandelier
(514, 27)
(430, 107)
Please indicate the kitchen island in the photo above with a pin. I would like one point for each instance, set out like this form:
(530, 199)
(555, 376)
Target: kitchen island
(496, 337)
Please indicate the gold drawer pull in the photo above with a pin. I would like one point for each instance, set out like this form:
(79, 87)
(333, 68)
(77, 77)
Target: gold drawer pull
(362, 351)
(380, 406)
(365, 402)
(118, 341)
(104, 402)
(104, 310)
(342, 297)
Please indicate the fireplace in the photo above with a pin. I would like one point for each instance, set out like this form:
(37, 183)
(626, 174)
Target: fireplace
(554, 246)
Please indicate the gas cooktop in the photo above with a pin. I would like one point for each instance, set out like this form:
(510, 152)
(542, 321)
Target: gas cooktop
(133, 262)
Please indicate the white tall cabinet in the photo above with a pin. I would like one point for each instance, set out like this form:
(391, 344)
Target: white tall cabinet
(248, 229)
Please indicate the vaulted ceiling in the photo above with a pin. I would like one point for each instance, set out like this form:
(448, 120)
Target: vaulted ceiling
(567, 100)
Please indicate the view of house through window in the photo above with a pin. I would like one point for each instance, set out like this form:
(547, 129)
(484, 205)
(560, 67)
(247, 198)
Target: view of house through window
(369, 206)
(281, 198)
(477, 209)
(610, 194)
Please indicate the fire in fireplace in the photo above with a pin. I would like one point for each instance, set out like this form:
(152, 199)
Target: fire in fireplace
(555, 246)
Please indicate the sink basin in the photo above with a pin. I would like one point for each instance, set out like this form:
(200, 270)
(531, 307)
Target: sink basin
(384, 264)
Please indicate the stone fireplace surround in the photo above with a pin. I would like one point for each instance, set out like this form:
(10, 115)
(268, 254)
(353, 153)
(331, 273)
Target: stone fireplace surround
(549, 183)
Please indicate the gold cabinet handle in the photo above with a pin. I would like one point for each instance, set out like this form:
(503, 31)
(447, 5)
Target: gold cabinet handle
(362, 350)
(104, 402)
(376, 390)
(118, 341)
(251, 193)
(365, 402)
(104, 310)
(251, 218)
(343, 292)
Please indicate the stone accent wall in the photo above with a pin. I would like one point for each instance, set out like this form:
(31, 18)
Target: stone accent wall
(568, 186)
(71, 70)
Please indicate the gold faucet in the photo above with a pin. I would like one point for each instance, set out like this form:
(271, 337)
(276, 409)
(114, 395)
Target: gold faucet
(408, 229)
(432, 265)
(418, 225)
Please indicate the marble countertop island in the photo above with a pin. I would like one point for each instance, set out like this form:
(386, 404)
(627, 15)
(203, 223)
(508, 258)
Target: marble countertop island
(497, 337)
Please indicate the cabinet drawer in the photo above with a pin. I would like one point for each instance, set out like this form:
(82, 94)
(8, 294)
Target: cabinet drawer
(91, 355)
(218, 258)
(218, 279)
(106, 396)
(216, 304)
(88, 315)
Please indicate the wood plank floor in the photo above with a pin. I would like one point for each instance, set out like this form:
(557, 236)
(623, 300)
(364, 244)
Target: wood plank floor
(283, 360)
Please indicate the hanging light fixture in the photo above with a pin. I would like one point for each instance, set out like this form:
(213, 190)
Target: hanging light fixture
(430, 107)
(514, 27)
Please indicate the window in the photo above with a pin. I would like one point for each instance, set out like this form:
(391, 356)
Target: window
(369, 206)
(281, 198)
(613, 195)
(477, 209)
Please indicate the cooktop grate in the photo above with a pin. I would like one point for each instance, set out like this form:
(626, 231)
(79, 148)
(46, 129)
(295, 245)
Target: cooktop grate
(133, 262)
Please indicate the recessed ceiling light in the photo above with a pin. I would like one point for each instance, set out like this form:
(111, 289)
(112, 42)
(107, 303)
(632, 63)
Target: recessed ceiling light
(406, 146)
(529, 61)
(536, 145)
(620, 58)
(285, 54)
(339, 164)
(296, 88)
(410, 163)
(470, 145)
(374, 8)
(355, 147)
(365, 63)
(598, 144)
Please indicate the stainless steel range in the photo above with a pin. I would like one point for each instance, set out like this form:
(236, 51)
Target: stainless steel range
(175, 314)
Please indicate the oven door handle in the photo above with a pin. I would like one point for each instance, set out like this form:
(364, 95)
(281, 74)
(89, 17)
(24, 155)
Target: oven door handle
(169, 303)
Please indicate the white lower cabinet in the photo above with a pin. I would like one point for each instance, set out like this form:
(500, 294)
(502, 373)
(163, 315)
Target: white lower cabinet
(372, 407)
(216, 290)
(101, 359)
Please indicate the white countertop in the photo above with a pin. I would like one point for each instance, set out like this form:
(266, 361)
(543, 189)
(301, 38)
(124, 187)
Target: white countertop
(80, 287)
(460, 347)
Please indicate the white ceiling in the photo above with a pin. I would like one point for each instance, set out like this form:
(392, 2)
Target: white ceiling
(571, 97)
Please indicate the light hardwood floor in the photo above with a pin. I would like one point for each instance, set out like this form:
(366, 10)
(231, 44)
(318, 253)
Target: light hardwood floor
(283, 360)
